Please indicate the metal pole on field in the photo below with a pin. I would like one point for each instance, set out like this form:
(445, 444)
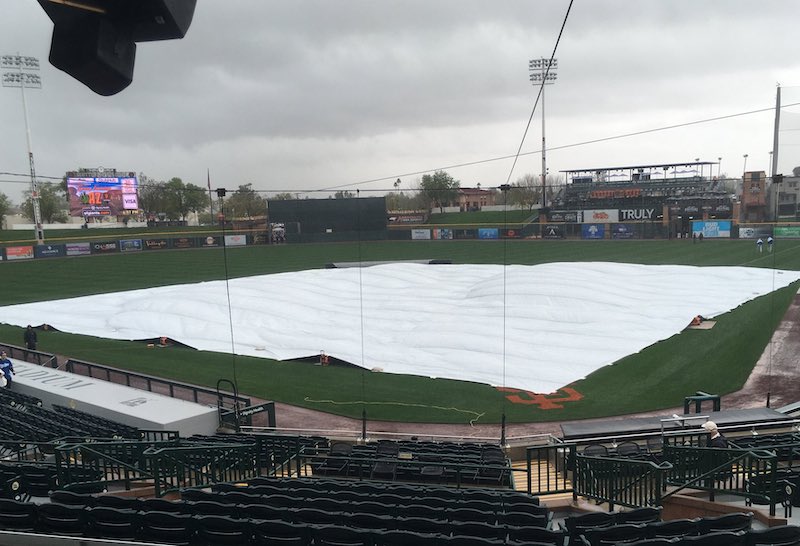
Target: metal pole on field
(543, 72)
(19, 76)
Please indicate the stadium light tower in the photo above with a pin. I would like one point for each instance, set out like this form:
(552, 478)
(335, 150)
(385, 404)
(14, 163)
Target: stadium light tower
(744, 167)
(543, 72)
(20, 76)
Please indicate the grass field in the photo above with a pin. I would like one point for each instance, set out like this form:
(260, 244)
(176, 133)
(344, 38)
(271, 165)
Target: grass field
(717, 360)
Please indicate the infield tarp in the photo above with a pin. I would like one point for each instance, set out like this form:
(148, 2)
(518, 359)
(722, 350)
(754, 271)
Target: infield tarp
(563, 320)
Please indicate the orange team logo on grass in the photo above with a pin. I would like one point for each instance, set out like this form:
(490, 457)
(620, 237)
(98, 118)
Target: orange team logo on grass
(544, 401)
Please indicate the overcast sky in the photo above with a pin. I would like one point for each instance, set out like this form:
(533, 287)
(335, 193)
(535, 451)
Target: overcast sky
(313, 94)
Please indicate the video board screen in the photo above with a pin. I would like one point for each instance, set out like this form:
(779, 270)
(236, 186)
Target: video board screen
(102, 196)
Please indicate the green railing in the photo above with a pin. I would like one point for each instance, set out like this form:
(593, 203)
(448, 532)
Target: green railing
(549, 468)
(727, 471)
(165, 465)
(198, 465)
(620, 481)
(120, 461)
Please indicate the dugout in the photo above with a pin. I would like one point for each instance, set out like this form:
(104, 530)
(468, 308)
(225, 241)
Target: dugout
(330, 220)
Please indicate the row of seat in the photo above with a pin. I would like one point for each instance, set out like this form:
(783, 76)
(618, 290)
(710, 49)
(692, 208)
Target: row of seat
(494, 501)
(10, 397)
(412, 490)
(784, 535)
(609, 528)
(106, 428)
(199, 527)
(391, 461)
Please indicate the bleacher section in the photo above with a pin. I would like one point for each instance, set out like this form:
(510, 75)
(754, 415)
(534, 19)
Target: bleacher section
(408, 461)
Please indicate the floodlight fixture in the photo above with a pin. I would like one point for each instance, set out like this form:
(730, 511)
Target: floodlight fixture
(19, 77)
(543, 72)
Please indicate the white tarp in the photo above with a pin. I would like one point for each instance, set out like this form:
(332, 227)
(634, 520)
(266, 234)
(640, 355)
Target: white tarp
(532, 327)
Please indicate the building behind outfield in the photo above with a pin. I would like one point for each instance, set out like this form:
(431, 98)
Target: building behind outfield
(664, 200)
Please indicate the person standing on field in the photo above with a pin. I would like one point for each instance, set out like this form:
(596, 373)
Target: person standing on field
(30, 339)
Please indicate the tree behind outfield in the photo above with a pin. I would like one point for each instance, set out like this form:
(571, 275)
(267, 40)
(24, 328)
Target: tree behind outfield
(245, 203)
(52, 204)
(182, 198)
(5, 205)
(439, 189)
(525, 192)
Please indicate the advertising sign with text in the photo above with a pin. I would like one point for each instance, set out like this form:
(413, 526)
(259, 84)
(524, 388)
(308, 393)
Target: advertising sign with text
(130, 245)
(78, 249)
(714, 229)
(183, 242)
(209, 242)
(156, 244)
(19, 253)
(442, 233)
(552, 232)
(420, 234)
(50, 251)
(593, 231)
(601, 216)
(623, 231)
(235, 240)
(104, 247)
(488, 233)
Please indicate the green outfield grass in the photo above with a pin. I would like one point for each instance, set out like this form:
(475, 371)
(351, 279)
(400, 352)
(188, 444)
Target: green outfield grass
(717, 360)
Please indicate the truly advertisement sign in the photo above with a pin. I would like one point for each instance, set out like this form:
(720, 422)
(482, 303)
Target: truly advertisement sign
(628, 215)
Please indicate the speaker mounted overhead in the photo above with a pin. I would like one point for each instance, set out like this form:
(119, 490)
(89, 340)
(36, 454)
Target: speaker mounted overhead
(94, 41)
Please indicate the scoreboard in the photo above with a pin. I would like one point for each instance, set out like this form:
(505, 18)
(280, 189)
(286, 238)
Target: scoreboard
(108, 196)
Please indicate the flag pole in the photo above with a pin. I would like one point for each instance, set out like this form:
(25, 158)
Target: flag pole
(210, 199)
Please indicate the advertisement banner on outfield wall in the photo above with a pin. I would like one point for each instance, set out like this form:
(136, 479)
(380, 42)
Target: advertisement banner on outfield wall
(420, 234)
(209, 242)
(552, 232)
(642, 215)
(19, 253)
(568, 216)
(235, 240)
(183, 242)
(464, 234)
(511, 233)
(623, 231)
(104, 247)
(715, 229)
(601, 216)
(78, 249)
(787, 231)
(488, 233)
(155, 244)
(442, 234)
(754, 232)
(130, 245)
(593, 231)
(50, 251)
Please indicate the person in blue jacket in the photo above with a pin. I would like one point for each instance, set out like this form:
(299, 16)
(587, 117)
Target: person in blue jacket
(7, 367)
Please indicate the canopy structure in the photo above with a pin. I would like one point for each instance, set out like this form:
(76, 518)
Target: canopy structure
(536, 328)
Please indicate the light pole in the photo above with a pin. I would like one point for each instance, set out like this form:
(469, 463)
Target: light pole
(543, 72)
(744, 169)
(719, 168)
(20, 77)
